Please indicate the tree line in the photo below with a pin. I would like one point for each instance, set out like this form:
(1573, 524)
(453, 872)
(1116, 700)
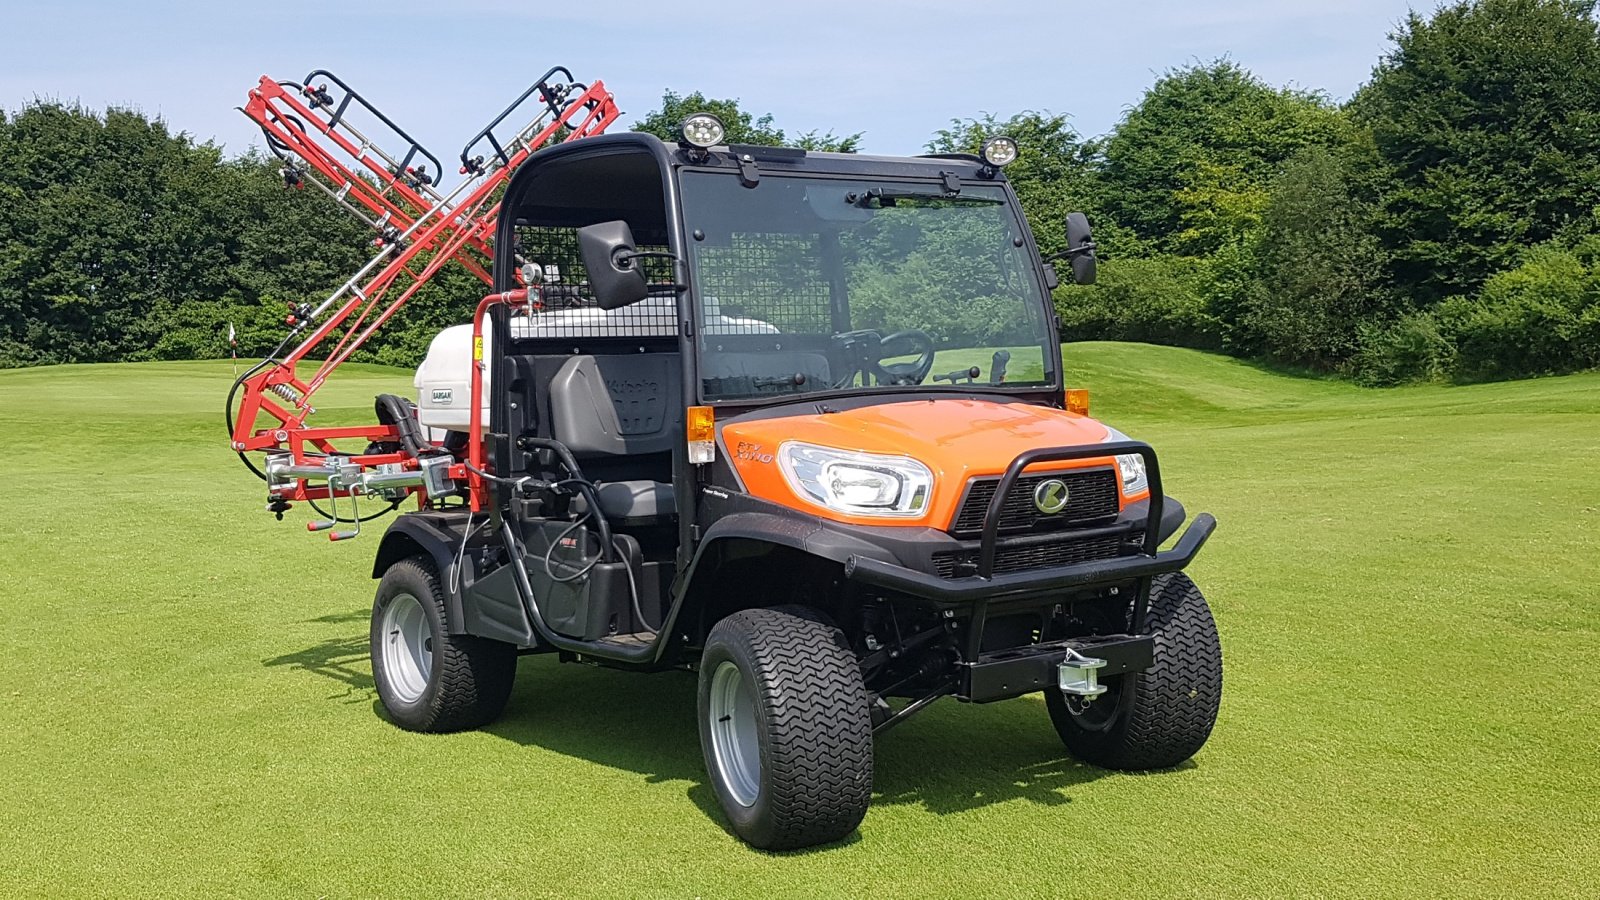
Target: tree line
(1443, 223)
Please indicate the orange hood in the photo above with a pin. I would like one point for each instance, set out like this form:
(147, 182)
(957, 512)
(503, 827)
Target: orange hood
(956, 439)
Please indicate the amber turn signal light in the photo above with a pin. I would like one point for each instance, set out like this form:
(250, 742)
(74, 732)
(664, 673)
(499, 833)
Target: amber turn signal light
(702, 433)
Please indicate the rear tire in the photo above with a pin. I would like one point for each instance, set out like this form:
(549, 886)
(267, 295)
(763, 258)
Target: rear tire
(785, 728)
(427, 678)
(1160, 717)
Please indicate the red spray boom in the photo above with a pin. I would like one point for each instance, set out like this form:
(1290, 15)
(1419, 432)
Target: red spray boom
(319, 129)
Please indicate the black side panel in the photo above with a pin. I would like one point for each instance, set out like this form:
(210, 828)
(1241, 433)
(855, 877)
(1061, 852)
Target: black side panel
(592, 603)
(492, 609)
(579, 600)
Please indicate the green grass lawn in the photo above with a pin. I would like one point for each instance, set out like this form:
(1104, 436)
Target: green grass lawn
(1405, 582)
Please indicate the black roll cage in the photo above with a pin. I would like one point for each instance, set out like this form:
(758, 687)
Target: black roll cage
(745, 163)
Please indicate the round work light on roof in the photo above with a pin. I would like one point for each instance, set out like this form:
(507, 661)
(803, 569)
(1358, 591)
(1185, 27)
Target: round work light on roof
(703, 130)
(999, 151)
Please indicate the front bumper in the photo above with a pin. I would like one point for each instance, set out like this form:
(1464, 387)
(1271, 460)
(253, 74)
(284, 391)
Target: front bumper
(987, 674)
(1016, 585)
(988, 585)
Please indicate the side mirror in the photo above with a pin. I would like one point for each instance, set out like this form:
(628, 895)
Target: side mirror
(1080, 248)
(614, 271)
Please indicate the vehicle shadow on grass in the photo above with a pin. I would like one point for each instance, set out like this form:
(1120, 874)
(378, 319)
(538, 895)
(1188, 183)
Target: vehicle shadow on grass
(345, 660)
(952, 758)
(949, 759)
(956, 757)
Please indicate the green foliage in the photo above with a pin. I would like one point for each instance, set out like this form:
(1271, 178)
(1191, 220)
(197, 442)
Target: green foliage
(743, 127)
(1437, 226)
(1315, 272)
(1486, 120)
(1053, 174)
(121, 240)
(1541, 318)
(1409, 350)
(1158, 299)
(1188, 168)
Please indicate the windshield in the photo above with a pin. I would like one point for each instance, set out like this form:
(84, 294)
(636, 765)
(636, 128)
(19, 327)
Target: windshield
(810, 284)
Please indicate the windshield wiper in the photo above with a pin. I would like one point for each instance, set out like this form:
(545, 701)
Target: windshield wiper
(881, 197)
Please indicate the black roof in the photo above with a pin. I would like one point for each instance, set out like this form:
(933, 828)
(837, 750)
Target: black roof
(777, 159)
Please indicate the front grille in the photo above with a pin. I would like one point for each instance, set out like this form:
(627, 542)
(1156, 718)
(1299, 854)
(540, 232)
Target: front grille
(1091, 497)
(1064, 552)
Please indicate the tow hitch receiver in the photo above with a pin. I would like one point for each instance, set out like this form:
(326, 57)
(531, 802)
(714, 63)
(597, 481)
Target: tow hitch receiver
(1067, 666)
(1079, 675)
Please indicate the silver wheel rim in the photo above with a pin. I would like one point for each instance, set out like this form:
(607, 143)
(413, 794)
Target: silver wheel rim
(407, 648)
(735, 744)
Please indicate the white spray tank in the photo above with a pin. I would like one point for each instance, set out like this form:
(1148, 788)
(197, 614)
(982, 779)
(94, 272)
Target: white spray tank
(444, 380)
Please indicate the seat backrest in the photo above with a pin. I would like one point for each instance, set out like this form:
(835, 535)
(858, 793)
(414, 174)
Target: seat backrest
(617, 405)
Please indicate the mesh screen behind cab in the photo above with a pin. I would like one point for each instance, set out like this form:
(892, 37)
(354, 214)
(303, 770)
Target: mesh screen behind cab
(570, 309)
(758, 284)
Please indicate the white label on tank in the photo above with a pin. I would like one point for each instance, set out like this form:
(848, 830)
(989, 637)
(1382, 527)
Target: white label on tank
(443, 396)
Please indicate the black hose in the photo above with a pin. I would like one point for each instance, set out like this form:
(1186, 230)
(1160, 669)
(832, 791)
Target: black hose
(567, 460)
(227, 408)
(633, 593)
(401, 413)
(530, 606)
(609, 541)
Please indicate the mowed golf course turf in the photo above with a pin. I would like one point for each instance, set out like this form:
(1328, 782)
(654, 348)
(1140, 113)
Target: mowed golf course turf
(1407, 584)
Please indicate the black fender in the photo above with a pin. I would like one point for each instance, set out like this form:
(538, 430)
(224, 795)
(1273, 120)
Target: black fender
(740, 518)
(810, 535)
(434, 534)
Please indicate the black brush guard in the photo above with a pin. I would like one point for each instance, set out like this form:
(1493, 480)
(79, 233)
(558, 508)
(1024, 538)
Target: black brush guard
(1015, 671)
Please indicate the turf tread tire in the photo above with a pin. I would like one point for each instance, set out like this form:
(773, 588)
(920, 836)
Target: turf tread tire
(472, 676)
(814, 724)
(1167, 710)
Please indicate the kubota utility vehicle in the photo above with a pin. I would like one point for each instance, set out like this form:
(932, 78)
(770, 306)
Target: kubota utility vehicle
(795, 421)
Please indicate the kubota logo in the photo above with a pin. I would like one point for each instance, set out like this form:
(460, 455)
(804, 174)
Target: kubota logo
(1050, 497)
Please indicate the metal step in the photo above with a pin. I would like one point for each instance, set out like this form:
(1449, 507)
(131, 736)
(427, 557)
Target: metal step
(628, 641)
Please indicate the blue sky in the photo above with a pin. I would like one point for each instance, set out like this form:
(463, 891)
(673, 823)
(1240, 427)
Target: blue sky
(896, 71)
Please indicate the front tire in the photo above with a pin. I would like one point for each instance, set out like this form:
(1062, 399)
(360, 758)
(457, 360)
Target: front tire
(429, 679)
(1160, 717)
(785, 728)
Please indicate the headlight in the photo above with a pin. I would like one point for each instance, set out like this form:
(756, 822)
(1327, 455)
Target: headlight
(862, 484)
(1134, 478)
(702, 130)
(999, 152)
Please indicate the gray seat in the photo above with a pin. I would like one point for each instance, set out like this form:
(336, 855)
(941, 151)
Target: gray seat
(615, 407)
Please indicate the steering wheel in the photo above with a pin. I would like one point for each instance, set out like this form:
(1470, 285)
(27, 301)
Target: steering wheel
(863, 352)
(904, 343)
